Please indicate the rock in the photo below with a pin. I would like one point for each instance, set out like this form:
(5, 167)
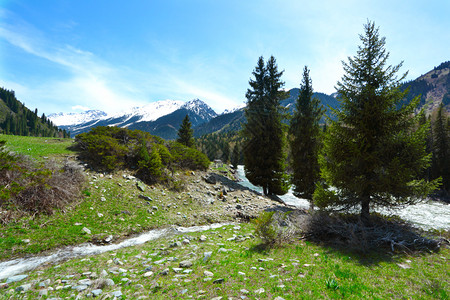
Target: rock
(244, 291)
(24, 287)
(185, 264)
(165, 271)
(404, 266)
(85, 282)
(148, 274)
(96, 292)
(43, 293)
(99, 215)
(146, 198)
(80, 287)
(260, 291)
(177, 270)
(141, 186)
(116, 294)
(202, 238)
(208, 274)
(217, 298)
(278, 298)
(211, 179)
(86, 230)
(4, 285)
(16, 278)
(219, 281)
(108, 239)
(103, 199)
(241, 273)
(206, 256)
(109, 282)
(104, 273)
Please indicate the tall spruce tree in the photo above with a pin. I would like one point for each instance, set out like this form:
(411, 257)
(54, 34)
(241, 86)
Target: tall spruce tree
(264, 155)
(304, 140)
(441, 149)
(374, 151)
(185, 133)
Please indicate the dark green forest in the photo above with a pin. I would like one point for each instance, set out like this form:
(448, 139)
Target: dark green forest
(17, 119)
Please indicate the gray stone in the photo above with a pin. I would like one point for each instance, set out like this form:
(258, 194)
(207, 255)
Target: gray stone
(86, 230)
(219, 281)
(177, 270)
(85, 282)
(146, 198)
(148, 274)
(244, 291)
(97, 292)
(202, 238)
(104, 273)
(141, 186)
(165, 271)
(109, 282)
(278, 298)
(185, 264)
(208, 274)
(260, 291)
(23, 287)
(43, 293)
(206, 256)
(211, 179)
(16, 278)
(80, 287)
(117, 294)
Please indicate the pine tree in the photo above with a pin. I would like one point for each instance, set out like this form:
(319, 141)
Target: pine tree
(235, 156)
(374, 152)
(264, 153)
(441, 148)
(305, 142)
(185, 133)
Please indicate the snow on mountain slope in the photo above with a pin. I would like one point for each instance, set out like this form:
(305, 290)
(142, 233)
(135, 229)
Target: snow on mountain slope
(61, 119)
(151, 111)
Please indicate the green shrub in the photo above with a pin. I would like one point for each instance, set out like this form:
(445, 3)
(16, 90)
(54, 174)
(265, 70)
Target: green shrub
(188, 158)
(265, 228)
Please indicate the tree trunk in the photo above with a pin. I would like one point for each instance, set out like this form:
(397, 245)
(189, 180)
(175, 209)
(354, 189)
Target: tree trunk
(365, 210)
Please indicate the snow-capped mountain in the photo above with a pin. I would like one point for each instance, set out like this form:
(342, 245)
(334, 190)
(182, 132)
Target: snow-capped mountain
(234, 109)
(161, 118)
(60, 119)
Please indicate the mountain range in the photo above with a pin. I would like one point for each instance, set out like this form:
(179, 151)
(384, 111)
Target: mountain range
(163, 118)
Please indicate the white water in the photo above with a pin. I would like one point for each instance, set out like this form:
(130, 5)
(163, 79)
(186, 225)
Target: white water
(427, 215)
(21, 265)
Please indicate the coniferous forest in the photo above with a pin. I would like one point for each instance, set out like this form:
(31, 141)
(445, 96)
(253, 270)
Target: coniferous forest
(17, 119)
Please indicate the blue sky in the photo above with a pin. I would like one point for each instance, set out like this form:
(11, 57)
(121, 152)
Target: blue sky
(65, 56)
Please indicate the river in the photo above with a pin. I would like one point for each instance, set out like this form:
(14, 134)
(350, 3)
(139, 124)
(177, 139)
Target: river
(427, 215)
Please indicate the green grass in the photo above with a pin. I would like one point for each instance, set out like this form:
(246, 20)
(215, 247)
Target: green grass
(299, 270)
(39, 148)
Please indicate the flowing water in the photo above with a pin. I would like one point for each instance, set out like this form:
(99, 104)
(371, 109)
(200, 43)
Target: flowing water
(21, 265)
(427, 215)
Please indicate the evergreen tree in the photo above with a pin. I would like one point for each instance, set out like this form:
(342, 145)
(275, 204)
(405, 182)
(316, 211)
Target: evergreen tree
(235, 156)
(264, 145)
(374, 152)
(441, 148)
(185, 133)
(305, 144)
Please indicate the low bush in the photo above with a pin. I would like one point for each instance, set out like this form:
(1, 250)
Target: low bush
(153, 159)
(36, 188)
(274, 228)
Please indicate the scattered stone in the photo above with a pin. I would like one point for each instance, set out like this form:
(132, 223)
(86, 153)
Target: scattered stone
(86, 230)
(146, 198)
(85, 282)
(216, 298)
(165, 271)
(141, 186)
(185, 264)
(108, 239)
(211, 179)
(103, 199)
(241, 273)
(16, 278)
(148, 274)
(43, 292)
(219, 281)
(80, 288)
(244, 291)
(208, 274)
(99, 215)
(24, 287)
(202, 238)
(26, 241)
(96, 293)
(4, 285)
(206, 256)
(184, 291)
(177, 270)
(260, 291)
(278, 298)
(104, 273)
(109, 282)
(117, 294)
(404, 266)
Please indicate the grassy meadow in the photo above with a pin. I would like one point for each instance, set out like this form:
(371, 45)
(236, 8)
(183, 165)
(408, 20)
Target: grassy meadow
(239, 267)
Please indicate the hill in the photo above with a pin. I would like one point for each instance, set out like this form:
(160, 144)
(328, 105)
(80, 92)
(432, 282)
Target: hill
(433, 88)
(17, 119)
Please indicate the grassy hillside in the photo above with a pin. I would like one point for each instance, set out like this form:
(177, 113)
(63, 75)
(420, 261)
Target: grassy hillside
(116, 205)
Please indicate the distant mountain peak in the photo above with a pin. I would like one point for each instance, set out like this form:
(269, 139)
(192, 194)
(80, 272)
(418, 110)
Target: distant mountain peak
(61, 119)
